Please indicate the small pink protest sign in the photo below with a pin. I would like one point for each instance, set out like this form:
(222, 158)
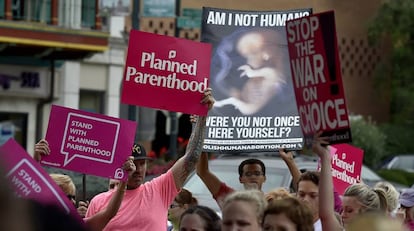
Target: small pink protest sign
(164, 72)
(346, 165)
(88, 142)
(29, 180)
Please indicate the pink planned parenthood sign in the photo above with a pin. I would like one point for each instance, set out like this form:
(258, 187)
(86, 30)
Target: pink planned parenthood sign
(346, 166)
(88, 142)
(29, 180)
(164, 72)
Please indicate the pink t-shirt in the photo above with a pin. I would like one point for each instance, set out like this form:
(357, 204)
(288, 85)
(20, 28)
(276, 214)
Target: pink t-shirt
(144, 208)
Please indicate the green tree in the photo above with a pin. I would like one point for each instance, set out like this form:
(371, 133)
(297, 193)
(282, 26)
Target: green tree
(394, 25)
(367, 136)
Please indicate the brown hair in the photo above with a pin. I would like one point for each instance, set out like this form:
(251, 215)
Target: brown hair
(212, 221)
(185, 197)
(312, 176)
(297, 212)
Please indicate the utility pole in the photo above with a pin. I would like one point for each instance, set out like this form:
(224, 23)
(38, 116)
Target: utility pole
(173, 115)
(132, 110)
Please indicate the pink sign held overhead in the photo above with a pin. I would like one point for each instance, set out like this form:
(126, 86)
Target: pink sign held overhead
(88, 143)
(346, 166)
(29, 180)
(165, 72)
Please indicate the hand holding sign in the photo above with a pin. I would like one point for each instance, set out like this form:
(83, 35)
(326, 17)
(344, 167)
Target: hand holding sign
(129, 166)
(87, 142)
(41, 149)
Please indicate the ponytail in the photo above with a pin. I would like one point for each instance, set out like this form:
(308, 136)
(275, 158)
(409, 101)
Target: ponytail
(383, 204)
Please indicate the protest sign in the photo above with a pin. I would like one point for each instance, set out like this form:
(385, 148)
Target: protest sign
(346, 166)
(88, 142)
(316, 74)
(168, 73)
(29, 180)
(255, 108)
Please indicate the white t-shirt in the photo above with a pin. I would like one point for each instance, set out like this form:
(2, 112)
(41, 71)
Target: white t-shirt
(317, 226)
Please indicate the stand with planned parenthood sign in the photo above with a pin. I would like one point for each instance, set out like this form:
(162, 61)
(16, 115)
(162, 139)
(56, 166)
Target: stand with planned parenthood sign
(164, 72)
(316, 73)
(29, 180)
(88, 142)
(255, 108)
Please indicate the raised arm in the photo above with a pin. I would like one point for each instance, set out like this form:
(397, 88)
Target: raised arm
(210, 180)
(326, 193)
(293, 168)
(98, 221)
(186, 164)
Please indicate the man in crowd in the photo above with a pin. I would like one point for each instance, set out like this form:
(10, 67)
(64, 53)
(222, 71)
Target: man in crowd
(145, 205)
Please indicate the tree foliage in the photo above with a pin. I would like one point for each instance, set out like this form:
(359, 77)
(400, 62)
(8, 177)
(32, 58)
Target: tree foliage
(395, 24)
(367, 136)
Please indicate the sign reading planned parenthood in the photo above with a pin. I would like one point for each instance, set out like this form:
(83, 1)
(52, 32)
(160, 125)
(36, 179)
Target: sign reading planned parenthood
(316, 73)
(255, 108)
(168, 73)
(88, 143)
(346, 166)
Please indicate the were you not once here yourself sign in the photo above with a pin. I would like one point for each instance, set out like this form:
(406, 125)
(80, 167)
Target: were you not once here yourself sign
(316, 74)
(88, 142)
(168, 73)
(255, 108)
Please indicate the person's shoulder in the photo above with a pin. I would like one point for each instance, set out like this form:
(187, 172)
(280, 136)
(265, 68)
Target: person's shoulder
(102, 195)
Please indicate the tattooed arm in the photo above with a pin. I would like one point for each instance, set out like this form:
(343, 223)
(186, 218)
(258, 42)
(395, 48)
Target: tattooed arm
(186, 164)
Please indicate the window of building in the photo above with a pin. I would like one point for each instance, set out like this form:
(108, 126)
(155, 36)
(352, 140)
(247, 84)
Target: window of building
(31, 10)
(88, 14)
(13, 125)
(2, 14)
(91, 101)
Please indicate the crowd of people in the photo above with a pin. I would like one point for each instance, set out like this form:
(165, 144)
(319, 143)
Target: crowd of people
(312, 205)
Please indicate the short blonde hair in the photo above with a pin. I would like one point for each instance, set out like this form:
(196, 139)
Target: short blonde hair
(277, 194)
(254, 197)
(65, 183)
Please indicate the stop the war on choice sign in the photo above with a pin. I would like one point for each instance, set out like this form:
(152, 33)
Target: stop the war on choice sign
(316, 74)
(29, 180)
(164, 72)
(88, 142)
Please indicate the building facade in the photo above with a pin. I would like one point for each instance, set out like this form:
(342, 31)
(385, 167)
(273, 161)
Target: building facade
(72, 53)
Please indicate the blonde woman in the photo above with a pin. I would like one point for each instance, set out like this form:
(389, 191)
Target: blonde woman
(391, 195)
(243, 211)
(360, 198)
